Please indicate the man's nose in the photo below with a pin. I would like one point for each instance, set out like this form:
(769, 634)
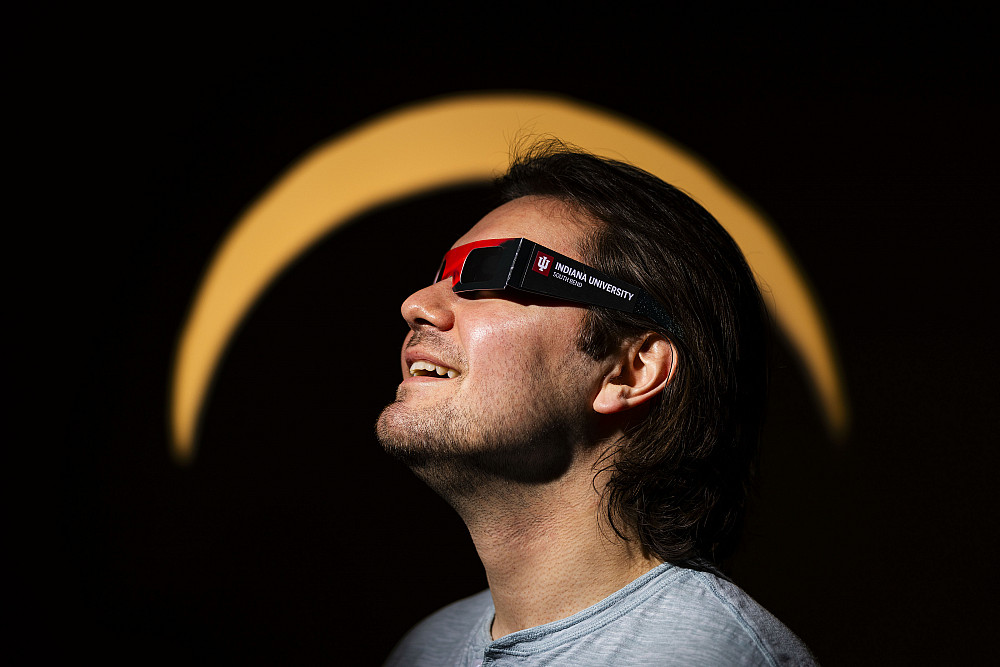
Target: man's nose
(431, 307)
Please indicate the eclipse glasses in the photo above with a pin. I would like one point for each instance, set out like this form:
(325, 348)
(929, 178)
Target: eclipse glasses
(498, 264)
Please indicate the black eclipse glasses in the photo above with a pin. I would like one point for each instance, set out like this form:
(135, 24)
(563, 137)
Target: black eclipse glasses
(498, 264)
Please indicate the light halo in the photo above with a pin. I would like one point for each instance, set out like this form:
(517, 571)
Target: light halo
(448, 141)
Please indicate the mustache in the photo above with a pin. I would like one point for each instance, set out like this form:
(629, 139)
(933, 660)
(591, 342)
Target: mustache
(438, 343)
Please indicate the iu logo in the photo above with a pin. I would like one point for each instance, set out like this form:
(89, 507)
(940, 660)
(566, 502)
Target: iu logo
(542, 263)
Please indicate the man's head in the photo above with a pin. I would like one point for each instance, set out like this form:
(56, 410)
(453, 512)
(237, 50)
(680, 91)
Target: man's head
(677, 475)
(510, 402)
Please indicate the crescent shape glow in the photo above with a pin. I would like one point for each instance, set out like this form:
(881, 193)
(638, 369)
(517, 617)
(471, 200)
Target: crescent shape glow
(444, 142)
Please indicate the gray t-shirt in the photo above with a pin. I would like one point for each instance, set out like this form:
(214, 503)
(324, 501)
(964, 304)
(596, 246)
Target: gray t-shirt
(669, 616)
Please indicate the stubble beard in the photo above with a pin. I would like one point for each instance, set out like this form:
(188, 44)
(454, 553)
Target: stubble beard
(461, 453)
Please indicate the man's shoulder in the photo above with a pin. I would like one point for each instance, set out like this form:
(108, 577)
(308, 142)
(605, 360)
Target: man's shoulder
(670, 616)
(759, 621)
(694, 609)
(465, 612)
(444, 635)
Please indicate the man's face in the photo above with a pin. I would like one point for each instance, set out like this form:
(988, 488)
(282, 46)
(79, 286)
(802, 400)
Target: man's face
(515, 395)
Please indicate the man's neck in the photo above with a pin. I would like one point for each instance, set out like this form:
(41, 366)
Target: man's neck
(548, 551)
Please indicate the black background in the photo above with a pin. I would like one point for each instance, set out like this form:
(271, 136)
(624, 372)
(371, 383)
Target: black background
(867, 138)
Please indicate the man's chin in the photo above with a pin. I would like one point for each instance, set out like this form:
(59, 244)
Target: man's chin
(454, 459)
(401, 434)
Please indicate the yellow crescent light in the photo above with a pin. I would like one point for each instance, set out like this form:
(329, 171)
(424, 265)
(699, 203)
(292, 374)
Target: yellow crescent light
(443, 142)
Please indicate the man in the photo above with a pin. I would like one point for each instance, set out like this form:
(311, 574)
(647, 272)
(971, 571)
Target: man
(584, 384)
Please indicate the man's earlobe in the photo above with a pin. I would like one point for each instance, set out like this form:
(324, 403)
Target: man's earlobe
(644, 369)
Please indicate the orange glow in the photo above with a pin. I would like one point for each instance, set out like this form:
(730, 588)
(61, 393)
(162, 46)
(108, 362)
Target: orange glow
(443, 142)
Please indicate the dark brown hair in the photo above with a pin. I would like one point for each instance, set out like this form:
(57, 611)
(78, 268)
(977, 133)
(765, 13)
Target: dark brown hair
(680, 475)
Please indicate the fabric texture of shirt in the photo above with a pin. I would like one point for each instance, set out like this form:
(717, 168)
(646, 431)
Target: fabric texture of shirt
(669, 616)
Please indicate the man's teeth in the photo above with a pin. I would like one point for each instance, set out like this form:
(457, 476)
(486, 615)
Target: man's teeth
(422, 368)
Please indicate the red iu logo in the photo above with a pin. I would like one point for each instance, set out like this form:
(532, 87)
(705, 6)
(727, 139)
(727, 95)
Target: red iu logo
(542, 263)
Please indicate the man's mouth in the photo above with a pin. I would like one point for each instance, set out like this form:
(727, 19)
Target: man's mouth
(427, 369)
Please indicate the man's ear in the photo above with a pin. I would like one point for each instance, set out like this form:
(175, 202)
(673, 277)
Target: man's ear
(645, 367)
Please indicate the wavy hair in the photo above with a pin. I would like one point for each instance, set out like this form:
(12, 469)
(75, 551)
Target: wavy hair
(680, 475)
